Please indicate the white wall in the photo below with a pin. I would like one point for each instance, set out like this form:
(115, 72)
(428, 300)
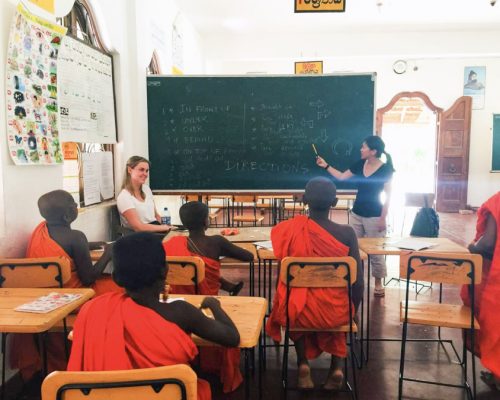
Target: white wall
(439, 57)
(125, 24)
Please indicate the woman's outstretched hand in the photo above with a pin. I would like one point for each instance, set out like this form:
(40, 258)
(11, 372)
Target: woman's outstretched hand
(321, 162)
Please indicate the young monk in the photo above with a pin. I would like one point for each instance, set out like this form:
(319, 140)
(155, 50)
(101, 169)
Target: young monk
(194, 215)
(55, 238)
(315, 236)
(136, 330)
(487, 295)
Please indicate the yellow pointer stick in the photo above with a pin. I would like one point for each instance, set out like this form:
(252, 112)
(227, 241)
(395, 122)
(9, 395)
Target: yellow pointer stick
(315, 151)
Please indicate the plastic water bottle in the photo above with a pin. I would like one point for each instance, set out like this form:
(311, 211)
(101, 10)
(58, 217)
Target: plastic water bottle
(165, 218)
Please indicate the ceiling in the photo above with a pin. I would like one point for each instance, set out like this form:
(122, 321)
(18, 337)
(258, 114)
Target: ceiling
(241, 17)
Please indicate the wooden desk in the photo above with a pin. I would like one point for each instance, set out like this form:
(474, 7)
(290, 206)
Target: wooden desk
(12, 321)
(247, 234)
(247, 313)
(381, 246)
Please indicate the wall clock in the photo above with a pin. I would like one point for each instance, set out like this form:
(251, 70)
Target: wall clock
(399, 67)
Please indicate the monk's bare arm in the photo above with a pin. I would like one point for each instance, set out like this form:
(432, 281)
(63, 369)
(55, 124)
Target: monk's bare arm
(87, 272)
(220, 330)
(358, 287)
(231, 250)
(486, 244)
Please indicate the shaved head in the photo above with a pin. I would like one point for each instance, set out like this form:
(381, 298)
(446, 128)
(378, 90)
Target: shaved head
(56, 206)
(320, 193)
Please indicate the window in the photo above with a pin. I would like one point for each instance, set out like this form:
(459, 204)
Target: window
(81, 23)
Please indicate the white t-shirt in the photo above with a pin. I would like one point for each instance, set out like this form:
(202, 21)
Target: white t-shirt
(145, 209)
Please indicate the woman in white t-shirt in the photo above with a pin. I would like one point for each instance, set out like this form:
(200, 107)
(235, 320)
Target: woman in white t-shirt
(135, 201)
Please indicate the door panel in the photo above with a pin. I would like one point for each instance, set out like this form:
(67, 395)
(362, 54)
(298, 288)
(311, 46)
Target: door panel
(453, 156)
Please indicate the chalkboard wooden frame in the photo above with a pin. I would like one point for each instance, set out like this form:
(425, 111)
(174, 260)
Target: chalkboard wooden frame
(254, 133)
(495, 145)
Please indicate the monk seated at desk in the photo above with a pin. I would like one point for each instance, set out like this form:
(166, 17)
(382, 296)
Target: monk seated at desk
(55, 238)
(322, 308)
(136, 330)
(194, 216)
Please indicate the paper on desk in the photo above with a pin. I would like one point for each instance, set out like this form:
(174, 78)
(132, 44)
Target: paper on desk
(411, 244)
(50, 302)
(266, 244)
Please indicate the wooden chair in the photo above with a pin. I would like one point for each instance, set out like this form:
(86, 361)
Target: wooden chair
(175, 382)
(185, 270)
(296, 206)
(240, 202)
(319, 272)
(33, 273)
(448, 268)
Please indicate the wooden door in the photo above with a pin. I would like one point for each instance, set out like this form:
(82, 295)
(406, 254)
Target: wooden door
(453, 156)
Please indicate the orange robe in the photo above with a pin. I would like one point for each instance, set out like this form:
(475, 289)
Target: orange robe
(317, 307)
(113, 332)
(25, 355)
(42, 245)
(487, 293)
(178, 246)
(218, 360)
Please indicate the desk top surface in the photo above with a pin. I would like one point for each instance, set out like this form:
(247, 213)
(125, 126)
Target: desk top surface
(247, 313)
(12, 321)
(373, 246)
(247, 234)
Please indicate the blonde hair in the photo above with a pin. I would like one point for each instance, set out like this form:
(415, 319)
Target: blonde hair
(132, 162)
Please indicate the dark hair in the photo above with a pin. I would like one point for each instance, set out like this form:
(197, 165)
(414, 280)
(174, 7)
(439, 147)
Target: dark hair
(471, 74)
(377, 144)
(320, 193)
(193, 215)
(139, 260)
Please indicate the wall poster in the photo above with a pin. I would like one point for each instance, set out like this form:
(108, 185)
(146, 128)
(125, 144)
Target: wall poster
(31, 90)
(86, 98)
(475, 85)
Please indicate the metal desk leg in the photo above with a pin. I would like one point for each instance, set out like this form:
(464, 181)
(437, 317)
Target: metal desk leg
(368, 312)
(252, 278)
(247, 375)
(4, 341)
(261, 362)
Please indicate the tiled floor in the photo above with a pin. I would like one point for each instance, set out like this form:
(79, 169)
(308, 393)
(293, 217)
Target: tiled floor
(378, 380)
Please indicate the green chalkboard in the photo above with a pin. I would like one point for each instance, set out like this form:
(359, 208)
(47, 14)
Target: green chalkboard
(215, 133)
(495, 157)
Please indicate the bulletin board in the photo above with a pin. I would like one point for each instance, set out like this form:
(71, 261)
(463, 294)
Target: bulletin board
(495, 156)
(86, 98)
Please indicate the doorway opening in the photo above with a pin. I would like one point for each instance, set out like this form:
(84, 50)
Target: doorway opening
(409, 128)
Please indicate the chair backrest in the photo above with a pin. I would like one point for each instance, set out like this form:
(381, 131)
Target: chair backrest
(451, 268)
(34, 272)
(195, 197)
(419, 199)
(318, 272)
(185, 270)
(175, 382)
(244, 198)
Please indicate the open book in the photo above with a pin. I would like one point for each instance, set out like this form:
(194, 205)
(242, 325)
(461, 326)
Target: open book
(48, 303)
(410, 244)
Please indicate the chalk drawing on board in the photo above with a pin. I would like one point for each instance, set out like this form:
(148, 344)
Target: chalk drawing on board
(342, 148)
